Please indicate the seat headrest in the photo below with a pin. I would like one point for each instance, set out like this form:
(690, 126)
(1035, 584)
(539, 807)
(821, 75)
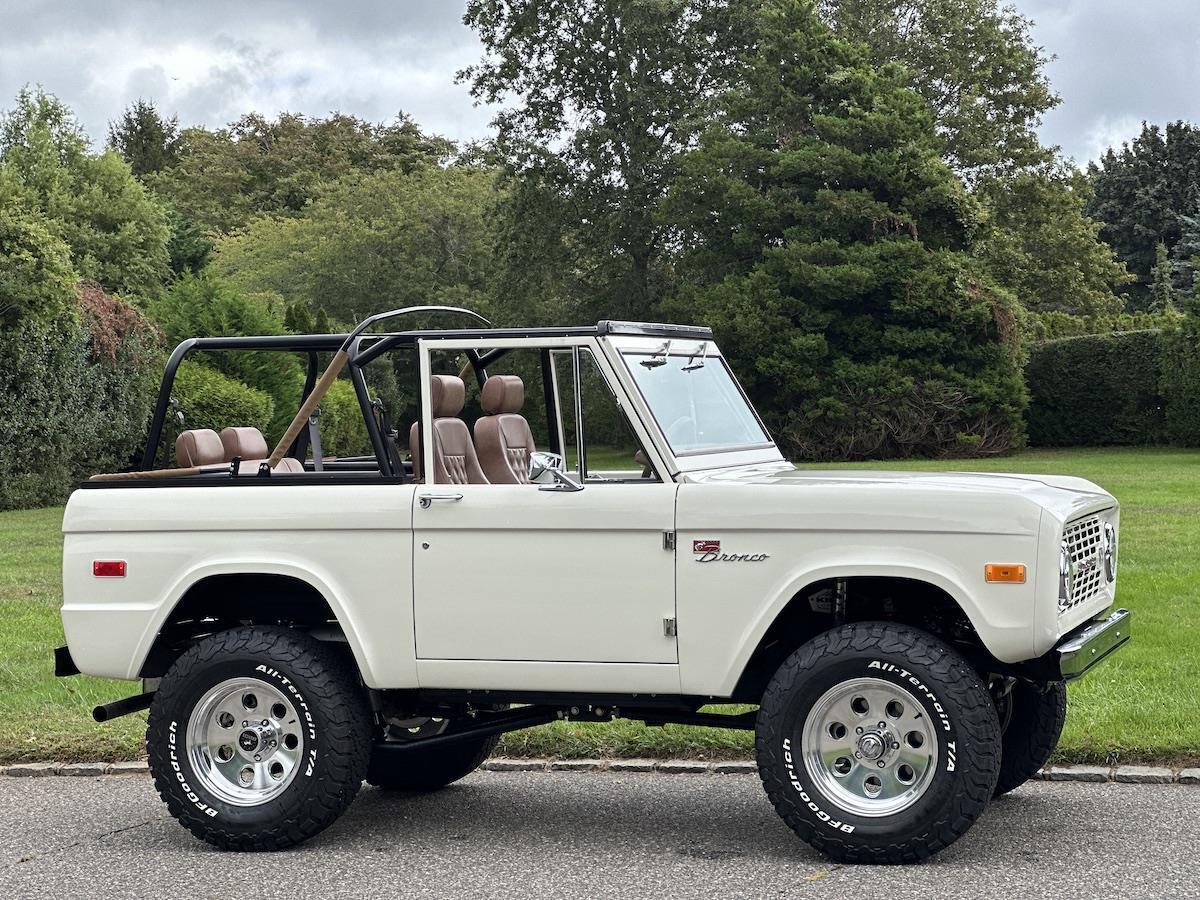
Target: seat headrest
(198, 447)
(448, 393)
(502, 394)
(247, 443)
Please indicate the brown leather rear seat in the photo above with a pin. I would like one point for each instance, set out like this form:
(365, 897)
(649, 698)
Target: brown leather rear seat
(204, 448)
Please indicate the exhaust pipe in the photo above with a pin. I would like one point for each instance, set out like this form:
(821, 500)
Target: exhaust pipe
(136, 703)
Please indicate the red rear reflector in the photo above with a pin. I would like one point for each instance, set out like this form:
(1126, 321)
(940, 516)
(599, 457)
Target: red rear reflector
(108, 568)
(1004, 573)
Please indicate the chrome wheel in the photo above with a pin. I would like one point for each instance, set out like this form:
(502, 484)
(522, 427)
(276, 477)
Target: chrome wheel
(244, 741)
(870, 747)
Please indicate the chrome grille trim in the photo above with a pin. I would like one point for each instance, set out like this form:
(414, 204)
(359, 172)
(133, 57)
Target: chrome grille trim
(1085, 545)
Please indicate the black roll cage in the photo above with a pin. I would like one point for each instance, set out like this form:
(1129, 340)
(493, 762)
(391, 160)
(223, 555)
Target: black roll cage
(363, 348)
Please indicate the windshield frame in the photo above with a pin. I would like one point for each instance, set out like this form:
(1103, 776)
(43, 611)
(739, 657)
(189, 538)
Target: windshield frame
(690, 349)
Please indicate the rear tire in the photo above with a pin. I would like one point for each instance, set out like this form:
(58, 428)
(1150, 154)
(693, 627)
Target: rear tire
(429, 769)
(259, 738)
(877, 743)
(1032, 721)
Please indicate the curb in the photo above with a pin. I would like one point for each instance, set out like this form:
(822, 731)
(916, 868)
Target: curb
(1088, 774)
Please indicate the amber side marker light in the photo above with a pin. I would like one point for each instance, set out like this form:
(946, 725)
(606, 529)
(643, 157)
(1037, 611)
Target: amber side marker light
(1001, 573)
(108, 568)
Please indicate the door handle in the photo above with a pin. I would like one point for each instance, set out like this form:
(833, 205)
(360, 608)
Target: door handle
(426, 500)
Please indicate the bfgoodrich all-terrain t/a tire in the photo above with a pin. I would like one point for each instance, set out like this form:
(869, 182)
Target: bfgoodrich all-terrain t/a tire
(878, 743)
(1031, 719)
(259, 738)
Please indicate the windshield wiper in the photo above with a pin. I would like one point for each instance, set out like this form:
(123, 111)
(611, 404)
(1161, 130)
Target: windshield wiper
(702, 353)
(658, 358)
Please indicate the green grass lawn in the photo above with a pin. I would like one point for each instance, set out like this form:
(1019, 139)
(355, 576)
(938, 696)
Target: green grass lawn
(1139, 706)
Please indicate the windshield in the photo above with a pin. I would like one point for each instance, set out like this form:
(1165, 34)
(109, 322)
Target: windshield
(696, 402)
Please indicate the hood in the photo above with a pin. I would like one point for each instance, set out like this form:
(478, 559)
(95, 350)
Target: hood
(1064, 496)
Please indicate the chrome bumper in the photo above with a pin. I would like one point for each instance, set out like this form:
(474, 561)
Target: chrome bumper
(1090, 643)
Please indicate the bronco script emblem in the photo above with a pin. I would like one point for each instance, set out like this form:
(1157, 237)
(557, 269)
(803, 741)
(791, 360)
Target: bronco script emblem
(710, 551)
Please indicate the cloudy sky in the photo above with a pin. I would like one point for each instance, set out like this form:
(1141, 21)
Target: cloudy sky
(1117, 62)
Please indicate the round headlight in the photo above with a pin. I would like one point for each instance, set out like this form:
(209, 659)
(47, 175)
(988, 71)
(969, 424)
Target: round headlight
(1066, 576)
(1110, 551)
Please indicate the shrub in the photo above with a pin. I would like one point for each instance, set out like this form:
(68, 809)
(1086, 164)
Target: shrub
(343, 430)
(203, 306)
(210, 399)
(78, 393)
(1097, 389)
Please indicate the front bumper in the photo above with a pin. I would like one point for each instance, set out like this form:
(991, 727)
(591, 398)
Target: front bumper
(1090, 643)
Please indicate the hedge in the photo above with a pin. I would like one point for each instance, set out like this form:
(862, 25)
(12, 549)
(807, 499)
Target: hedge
(212, 400)
(1181, 378)
(77, 395)
(1097, 389)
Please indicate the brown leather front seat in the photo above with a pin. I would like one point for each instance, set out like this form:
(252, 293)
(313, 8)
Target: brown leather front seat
(502, 435)
(454, 460)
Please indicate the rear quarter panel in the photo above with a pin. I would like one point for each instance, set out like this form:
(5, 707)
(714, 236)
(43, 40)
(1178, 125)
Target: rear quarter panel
(353, 543)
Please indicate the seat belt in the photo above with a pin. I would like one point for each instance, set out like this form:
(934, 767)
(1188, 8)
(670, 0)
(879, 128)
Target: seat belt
(314, 440)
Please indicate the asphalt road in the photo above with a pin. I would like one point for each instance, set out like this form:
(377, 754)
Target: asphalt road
(592, 835)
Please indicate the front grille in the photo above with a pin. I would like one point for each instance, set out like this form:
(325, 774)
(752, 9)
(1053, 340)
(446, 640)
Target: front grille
(1085, 545)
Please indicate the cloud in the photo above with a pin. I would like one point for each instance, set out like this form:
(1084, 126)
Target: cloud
(1117, 64)
(211, 64)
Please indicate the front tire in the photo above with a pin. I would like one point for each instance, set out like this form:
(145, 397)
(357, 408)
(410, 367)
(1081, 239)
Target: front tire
(1032, 718)
(259, 738)
(878, 743)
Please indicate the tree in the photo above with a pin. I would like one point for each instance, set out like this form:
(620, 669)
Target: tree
(144, 139)
(1143, 192)
(974, 61)
(608, 94)
(391, 239)
(278, 166)
(1039, 244)
(116, 231)
(204, 305)
(1162, 291)
(37, 279)
(829, 247)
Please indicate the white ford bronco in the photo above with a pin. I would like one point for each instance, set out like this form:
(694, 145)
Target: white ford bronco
(573, 524)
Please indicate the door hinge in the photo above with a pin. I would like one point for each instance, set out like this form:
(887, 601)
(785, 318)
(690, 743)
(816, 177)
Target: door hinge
(668, 540)
(670, 629)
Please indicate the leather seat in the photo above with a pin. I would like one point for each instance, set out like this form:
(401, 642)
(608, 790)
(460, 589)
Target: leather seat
(250, 445)
(454, 459)
(198, 447)
(502, 436)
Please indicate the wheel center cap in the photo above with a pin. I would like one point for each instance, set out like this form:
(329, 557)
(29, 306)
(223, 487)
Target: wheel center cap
(871, 746)
(248, 740)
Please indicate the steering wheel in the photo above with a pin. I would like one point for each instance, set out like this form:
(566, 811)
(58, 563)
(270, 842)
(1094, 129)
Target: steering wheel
(681, 422)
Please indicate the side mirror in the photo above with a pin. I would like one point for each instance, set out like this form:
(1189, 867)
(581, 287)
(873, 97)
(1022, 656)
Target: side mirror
(541, 462)
(562, 483)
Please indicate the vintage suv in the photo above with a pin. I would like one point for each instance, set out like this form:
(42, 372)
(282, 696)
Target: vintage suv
(626, 541)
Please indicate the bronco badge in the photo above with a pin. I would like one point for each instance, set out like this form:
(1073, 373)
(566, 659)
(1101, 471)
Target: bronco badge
(710, 551)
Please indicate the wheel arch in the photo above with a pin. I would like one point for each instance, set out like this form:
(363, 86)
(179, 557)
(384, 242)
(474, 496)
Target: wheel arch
(220, 595)
(809, 605)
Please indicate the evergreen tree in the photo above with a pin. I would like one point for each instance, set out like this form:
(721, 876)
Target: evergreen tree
(828, 245)
(1162, 291)
(1143, 192)
(144, 139)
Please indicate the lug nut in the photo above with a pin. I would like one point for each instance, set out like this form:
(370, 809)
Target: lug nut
(858, 730)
